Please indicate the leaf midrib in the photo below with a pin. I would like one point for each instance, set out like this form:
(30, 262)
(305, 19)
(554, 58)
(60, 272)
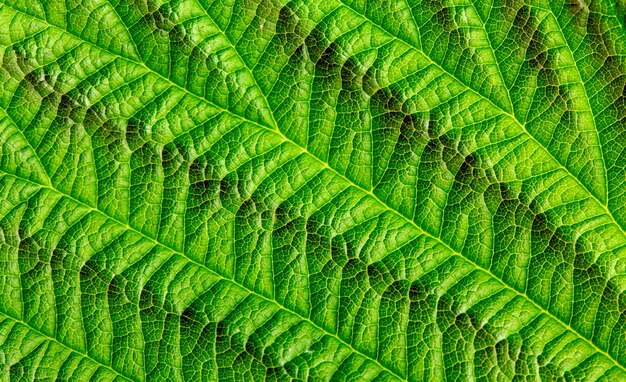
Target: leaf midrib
(275, 127)
(353, 184)
(501, 111)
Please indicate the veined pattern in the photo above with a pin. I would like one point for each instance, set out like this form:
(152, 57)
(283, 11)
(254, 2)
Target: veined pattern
(367, 190)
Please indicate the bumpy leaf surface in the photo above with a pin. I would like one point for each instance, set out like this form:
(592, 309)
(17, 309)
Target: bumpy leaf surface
(362, 190)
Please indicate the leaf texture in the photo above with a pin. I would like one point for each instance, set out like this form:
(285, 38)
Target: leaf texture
(358, 190)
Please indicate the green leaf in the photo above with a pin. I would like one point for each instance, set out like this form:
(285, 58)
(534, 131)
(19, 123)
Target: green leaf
(359, 190)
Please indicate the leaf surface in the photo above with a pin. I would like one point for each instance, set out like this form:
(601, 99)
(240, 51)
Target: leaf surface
(312, 190)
